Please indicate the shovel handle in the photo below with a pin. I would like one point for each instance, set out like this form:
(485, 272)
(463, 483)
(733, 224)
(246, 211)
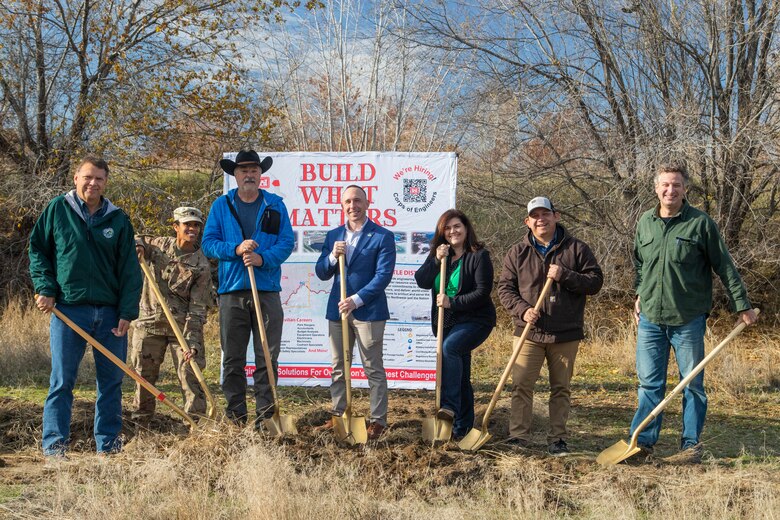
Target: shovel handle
(345, 336)
(440, 331)
(682, 384)
(180, 337)
(513, 358)
(269, 367)
(125, 368)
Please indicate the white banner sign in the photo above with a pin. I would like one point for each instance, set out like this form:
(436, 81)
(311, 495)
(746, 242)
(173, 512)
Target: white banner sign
(408, 192)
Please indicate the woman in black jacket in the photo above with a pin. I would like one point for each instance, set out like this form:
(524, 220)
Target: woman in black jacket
(469, 313)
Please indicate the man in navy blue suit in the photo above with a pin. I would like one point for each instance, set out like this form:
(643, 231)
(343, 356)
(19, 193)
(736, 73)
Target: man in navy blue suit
(370, 259)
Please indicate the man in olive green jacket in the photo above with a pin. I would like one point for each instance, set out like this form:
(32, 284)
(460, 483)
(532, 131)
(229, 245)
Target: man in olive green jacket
(677, 247)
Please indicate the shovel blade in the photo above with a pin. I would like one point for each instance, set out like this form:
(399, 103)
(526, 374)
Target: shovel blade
(278, 425)
(288, 424)
(429, 429)
(350, 429)
(618, 452)
(436, 430)
(474, 440)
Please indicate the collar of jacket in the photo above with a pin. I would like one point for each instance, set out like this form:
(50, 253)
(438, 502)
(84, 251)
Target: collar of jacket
(683, 213)
(564, 235)
(71, 196)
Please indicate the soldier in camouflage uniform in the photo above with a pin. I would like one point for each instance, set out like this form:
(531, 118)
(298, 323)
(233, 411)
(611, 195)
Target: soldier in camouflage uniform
(184, 276)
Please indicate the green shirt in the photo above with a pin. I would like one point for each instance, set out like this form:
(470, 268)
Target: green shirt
(453, 282)
(674, 263)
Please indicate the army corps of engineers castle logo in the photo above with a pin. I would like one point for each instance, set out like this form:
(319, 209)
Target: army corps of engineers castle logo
(414, 196)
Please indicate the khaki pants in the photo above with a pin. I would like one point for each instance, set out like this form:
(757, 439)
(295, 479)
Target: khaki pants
(147, 354)
(369, 335)
(560, 363)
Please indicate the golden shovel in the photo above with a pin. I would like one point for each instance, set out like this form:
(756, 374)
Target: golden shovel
(348, 428)
(434, 429)
(212, 412)
(277, 425)
(620, 451)
(125, 368)
(477, 438)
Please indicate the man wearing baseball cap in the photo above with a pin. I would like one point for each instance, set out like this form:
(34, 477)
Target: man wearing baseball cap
(546, 251)
(248, 227)
(183, 274)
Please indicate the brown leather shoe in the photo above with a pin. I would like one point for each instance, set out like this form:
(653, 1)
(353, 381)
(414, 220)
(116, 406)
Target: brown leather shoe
(375, 431)
(445, 414)
(324, 427)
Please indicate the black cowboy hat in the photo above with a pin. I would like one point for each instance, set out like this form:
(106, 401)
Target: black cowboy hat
(246, 157)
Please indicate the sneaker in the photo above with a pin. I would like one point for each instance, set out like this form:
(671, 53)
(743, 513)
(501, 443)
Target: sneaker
(106, 455)
(516, 442)
(54, 460)
(689, 454)
(558, 448)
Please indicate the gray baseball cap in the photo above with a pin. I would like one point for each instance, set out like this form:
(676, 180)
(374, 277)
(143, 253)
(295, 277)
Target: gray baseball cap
(540, 202)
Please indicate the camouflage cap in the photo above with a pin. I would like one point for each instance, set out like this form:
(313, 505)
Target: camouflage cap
(187, 214)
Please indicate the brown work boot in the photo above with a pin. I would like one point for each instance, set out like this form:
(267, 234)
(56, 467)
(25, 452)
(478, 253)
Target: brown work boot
(328, 425)
(375, 431)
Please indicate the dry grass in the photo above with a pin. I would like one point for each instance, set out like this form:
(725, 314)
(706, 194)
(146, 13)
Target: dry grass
(24, 344)
(228, 473)
(24, 347)
(750, 363)
(237, 474)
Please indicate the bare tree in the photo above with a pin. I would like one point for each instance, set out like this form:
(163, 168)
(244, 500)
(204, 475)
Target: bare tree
(145, 82)
(115, 76)
(582, 98)
(346, 79)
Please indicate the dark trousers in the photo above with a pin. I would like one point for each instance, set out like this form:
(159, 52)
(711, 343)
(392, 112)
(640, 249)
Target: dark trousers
(457, 394)
(236, 320)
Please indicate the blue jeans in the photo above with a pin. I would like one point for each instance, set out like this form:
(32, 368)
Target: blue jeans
(67, 349)
(457, 393)
(652, 358)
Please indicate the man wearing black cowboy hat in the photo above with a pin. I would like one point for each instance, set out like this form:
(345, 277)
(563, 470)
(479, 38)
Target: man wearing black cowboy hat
(248, 227)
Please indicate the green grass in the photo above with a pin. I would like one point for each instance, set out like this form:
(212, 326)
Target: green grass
(9, 492)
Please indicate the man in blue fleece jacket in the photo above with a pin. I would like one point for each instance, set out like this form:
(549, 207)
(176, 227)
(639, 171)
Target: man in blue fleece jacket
(248, 227)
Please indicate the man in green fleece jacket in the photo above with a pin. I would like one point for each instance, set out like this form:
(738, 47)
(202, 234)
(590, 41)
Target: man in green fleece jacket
(82, 258)
(676, 250)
